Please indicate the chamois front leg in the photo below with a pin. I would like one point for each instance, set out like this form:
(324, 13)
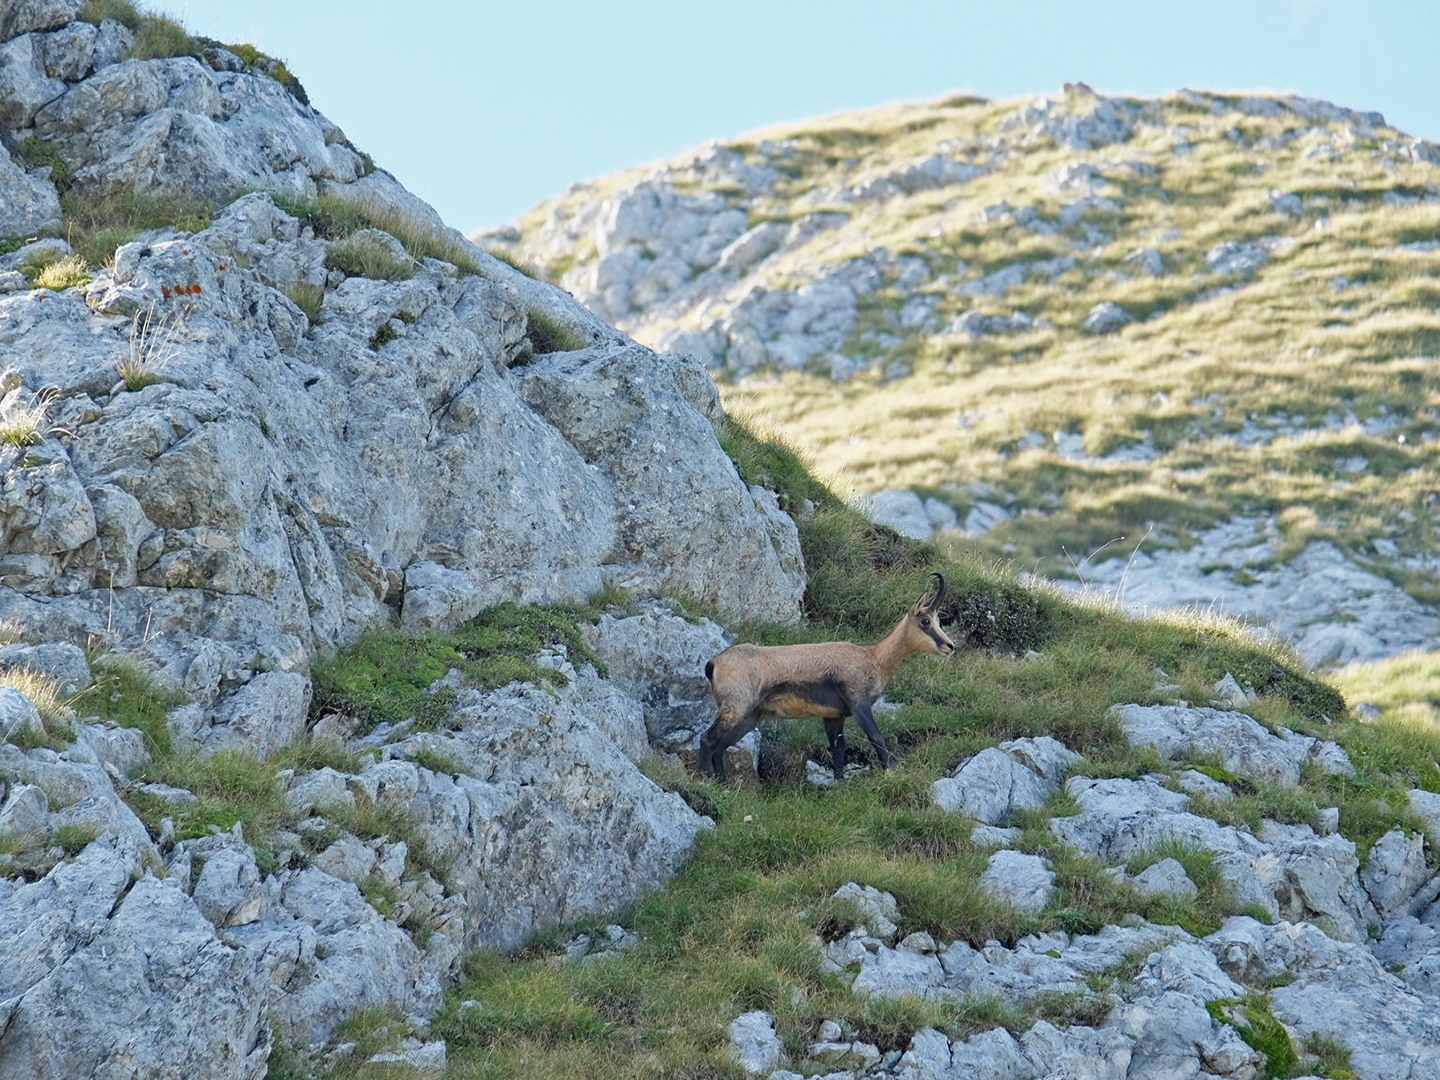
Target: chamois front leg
(729, 729)
(860, 709)
(835, 733)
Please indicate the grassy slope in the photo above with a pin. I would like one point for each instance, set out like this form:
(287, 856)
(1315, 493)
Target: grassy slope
(1207, 353)
(733, 931)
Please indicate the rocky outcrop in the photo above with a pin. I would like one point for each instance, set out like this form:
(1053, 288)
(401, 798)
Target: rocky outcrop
(95, 964)
(1345, 952)
(285, 485)
(244, 449)
(1332, 609)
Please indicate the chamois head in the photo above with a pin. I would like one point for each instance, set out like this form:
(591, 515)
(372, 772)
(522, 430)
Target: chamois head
(923, 629)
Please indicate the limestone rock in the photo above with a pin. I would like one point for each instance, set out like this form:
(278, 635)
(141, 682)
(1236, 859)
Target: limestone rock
(322, 952)
(754, 1046)
(1241, 744)
(549, 823)
(1025, 880)
(64, 663)
(1166, 878)
(1020, 774)
(628, 412)
(30, 204)
(102, 977)
(17, 713)
(878, 911)
(1106, 318)
(659, 659)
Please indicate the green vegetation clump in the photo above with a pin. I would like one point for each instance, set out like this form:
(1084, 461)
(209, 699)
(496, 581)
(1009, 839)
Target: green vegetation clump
(548, 335)
(386, 675)
(308, 298)
(40, 153)
(1256, 1024)
(126, 695)
(337, 217)
(159, 37)
(57, 273)
(121, 11)
(366, 254)
(97, 225)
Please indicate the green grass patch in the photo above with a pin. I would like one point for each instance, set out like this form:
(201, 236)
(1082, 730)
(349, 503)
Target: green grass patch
(159, 37)
(121, 11)
(367, 254)
(230, 786)
(308, 298)
(386, 675)
(57, 274)
(97, 225)
(549, 335)
(1256, 1024)
(37, 153)
(126, 695)
(73, 837)
(336, 217)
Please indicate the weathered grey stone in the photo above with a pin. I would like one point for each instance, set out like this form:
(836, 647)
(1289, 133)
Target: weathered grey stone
(754, 1046)
(17, 713)
(423, 1057)
(628, 411)
(550, 821)
(25, 811)
(659, 659)
(1166, 878)
(1236, 257)
(103, 978)
(1337, 989)
(1333, 610)
(265, 714)
(1024, 880)
(1107, 317)
(1019, 775)
(1147, 261)
(1396, 872)
(64, 663)
(1241, 744)
(879, 912)
(227, 891)
(25, 87)
(322, 952)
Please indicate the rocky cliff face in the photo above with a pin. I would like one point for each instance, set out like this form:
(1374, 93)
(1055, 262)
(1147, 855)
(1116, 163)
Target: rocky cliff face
(1072, 326)
(201, 477)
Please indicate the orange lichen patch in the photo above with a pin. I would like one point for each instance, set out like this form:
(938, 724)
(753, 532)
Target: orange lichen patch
(168, 291)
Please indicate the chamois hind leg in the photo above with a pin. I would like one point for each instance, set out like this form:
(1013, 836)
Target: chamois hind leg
(860, 709)
(835, 732)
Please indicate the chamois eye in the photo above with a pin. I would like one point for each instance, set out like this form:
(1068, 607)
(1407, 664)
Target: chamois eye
(924, 620)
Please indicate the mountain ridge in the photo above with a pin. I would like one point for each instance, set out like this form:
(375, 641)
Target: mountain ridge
(1064, 329)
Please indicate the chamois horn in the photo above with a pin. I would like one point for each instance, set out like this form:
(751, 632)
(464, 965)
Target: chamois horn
(937, 596)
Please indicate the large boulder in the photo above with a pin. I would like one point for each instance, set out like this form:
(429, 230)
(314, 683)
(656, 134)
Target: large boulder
(109, 976)
(548, 822)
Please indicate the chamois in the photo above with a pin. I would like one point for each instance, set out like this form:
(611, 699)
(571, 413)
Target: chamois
(831, 680)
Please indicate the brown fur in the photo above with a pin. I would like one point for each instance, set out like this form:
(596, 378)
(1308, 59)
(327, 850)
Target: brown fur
(830, 680)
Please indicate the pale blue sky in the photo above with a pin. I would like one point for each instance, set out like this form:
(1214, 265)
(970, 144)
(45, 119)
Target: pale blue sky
(484, 109)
